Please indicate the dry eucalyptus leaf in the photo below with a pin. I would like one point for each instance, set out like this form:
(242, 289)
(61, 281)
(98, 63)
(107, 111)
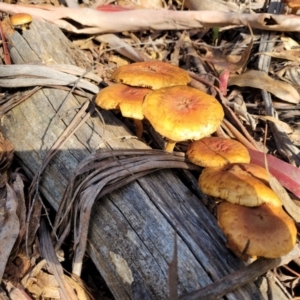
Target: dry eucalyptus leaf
(13, 76)
(282, 125)
(44, 285)
(295, 136)
(155, 4)
(260, 80)
(16, 293)
(18, 187)
(9, 225)
(94, 21)
(118, 60)
(6, 154)
(289, 43)
(211, 5)
(117, 44)
(292, 55)
(291, 207)
(17, 267)
(230, 62)
(78, 286)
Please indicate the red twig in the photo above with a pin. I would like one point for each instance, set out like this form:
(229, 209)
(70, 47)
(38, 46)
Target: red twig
(7, 60)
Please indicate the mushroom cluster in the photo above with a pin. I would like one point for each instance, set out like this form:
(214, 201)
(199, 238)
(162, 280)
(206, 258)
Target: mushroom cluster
(250, 213)
(158, 91)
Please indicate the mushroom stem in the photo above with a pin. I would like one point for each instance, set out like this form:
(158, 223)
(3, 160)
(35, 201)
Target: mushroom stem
(138, 127)
(170, 146)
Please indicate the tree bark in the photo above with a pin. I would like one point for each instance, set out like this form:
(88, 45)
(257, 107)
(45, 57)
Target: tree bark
(131, 237)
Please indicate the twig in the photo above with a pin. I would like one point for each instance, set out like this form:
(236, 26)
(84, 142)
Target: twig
(6, 55)
(239, 278)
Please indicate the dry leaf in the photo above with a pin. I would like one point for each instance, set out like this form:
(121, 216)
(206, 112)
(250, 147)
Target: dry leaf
(282, 125)
(17, 76)
(288, 175)
(43, 284)
(121, 47)
(96, 22)
(292, 208)
(16, 293)
(17, 268)
(119, 61)
(292, 55)
(9, 225)
(142, 4)
(289, 43)
(6, 156)
(212, 5)
(260, 80)
(223, 61)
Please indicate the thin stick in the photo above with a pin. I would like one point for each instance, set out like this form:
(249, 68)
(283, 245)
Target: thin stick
(238, 135)
(241, 277)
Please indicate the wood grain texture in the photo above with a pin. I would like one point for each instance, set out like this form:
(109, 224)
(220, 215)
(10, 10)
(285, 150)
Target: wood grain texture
(131, 238)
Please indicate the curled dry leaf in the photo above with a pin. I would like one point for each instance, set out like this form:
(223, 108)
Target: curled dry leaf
(260, 80)
(44, 285)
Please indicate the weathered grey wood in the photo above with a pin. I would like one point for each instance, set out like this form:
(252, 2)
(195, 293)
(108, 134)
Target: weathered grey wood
(132, 230)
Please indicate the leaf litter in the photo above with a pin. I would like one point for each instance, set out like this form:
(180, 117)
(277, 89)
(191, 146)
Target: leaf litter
(226, 55)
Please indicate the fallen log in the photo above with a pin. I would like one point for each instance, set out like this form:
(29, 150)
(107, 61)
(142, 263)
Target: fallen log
(131, 236)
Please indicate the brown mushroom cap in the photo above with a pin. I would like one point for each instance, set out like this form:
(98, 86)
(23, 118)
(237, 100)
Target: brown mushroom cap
(151, 74)
(126, 98)
(265, 230)
(217, 152)
(20, 19)
(238, 184)
(181, 113)
(294, 4)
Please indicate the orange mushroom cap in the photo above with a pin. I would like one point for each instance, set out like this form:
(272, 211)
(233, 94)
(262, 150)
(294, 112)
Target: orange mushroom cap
(126, 98)
(151, 74)
(244, 184)
(181, 113)
(21, 20)
(294, 4)
(217, 152)
(264, 230)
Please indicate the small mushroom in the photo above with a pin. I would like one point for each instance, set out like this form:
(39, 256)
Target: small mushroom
(126, 98)
(293, 4)
(244, 184)
(217, 152)
(21, 21)
(265, 230)
(151, 74)
(182, 113)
